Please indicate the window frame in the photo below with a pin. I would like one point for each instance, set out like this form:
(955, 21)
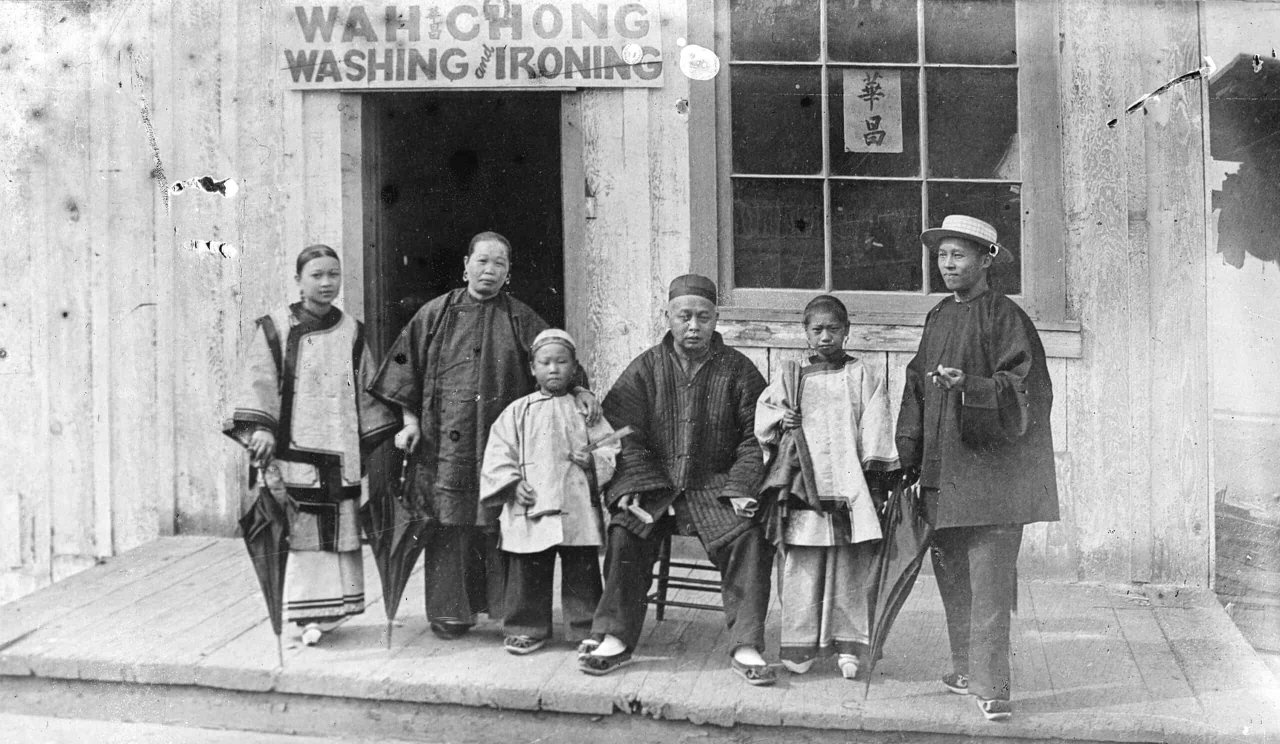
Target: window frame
(1043, 237)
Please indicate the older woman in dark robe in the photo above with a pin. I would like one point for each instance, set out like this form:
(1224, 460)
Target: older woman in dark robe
(460, 361)
(974, 428)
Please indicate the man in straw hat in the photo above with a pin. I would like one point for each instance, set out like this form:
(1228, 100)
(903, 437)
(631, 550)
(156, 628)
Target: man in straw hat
(691, 466)
(974, 430)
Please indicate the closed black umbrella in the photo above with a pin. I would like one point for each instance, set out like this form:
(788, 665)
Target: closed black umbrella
(265, 527)
(396, 528)
(906, 539)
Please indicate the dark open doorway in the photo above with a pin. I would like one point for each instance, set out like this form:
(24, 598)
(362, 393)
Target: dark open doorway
(445, 166)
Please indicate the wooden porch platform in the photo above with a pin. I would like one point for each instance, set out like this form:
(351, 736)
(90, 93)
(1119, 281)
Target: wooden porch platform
(1091, 663)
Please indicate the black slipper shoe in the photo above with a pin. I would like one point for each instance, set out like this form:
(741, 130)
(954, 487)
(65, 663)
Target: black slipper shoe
(449, 631)
(761, 675)
(598, 666)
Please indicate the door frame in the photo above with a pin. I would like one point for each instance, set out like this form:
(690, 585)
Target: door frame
(366, 291)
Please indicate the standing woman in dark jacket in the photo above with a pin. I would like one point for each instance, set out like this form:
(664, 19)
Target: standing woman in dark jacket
(460, 361)
(974, 428)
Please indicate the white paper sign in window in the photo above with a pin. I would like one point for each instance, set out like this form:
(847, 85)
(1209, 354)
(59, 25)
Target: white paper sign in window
(872, 110)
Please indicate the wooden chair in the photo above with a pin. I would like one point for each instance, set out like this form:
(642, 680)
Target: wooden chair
(667, 583)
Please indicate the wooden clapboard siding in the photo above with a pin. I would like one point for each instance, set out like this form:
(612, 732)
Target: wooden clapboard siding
(1136, 403)
(1178, 366)
(25, 554)
(1095, 80)
(65, 130)
(202, 283)
(786, 331)
(668, 145)
(124, 290)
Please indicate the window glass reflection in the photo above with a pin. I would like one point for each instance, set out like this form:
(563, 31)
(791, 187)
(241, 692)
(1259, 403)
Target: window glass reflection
(768, 30)
(973, 123)
(777, 119)
(875, 235)
(777, 233)
(863, 31)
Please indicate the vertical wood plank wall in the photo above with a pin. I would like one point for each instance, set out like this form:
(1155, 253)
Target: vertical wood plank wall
(1137, 403)
(121, 341)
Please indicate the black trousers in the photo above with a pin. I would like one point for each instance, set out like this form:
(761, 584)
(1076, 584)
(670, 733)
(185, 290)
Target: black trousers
(464, 574)
(744, 565)
(530, 579)
(976, 569)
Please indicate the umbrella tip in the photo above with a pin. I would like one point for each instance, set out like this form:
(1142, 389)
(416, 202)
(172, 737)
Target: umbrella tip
(389, 626)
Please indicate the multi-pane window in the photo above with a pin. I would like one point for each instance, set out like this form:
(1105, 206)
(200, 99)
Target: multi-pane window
(854, 125)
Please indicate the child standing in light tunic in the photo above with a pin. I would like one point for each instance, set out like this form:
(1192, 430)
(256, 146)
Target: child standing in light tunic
(538, 464)
(835, 413)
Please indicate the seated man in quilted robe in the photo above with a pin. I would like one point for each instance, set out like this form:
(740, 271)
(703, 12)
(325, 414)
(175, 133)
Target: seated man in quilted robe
(691, 466)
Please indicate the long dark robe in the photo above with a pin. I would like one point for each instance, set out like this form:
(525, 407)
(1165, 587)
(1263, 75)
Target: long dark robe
(693, 438)
(458, 363)
(988, 451)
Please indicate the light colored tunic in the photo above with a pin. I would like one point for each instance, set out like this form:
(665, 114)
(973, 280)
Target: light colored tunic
(531, 441)
(845, 418)
(302, 380)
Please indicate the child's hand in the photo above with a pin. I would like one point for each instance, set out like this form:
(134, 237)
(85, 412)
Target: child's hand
(791, 419)
(581, 458)
(524, 494)
(262, 445)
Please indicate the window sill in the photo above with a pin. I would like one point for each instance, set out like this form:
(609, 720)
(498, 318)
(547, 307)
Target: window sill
(782, 329)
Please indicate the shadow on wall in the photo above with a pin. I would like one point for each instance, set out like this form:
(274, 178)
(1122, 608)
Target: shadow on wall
(1244, 111)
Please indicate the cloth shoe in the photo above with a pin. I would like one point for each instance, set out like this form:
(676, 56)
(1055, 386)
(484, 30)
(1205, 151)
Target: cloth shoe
(522, 644)
(848, 666)
(448, 631)
(995, 709)
(311, 634)
(587, 646)
(757, 675)
(598, 666)
(957, 683)
(798, 667)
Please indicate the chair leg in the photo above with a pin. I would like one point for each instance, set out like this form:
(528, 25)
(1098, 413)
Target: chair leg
(664, 578)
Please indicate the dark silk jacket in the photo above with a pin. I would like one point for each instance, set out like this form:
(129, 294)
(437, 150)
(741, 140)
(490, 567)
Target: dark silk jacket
(988, 451)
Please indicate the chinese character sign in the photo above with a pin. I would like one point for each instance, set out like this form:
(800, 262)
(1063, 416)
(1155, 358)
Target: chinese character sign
(872, 110)
(353, 44)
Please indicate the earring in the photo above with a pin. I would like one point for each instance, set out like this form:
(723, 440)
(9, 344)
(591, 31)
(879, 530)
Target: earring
(507, 283)
(464, 276)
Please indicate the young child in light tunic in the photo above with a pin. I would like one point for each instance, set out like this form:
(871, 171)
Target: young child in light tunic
(542, 465)
(837, 412)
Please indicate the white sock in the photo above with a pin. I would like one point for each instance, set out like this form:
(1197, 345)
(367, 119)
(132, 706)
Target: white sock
(748, 655)
(610, 646)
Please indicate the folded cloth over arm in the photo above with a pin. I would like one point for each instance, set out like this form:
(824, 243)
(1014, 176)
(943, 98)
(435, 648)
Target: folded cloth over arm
(789, 477)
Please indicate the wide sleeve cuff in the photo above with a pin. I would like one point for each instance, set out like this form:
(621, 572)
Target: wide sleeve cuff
(980, 392)
(908, 452)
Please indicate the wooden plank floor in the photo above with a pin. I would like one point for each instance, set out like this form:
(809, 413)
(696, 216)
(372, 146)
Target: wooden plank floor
(1091, 662)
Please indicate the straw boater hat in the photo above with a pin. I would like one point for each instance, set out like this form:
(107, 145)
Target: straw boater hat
(969, 228)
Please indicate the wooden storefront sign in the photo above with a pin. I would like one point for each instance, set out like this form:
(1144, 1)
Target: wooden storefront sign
(478, 44)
